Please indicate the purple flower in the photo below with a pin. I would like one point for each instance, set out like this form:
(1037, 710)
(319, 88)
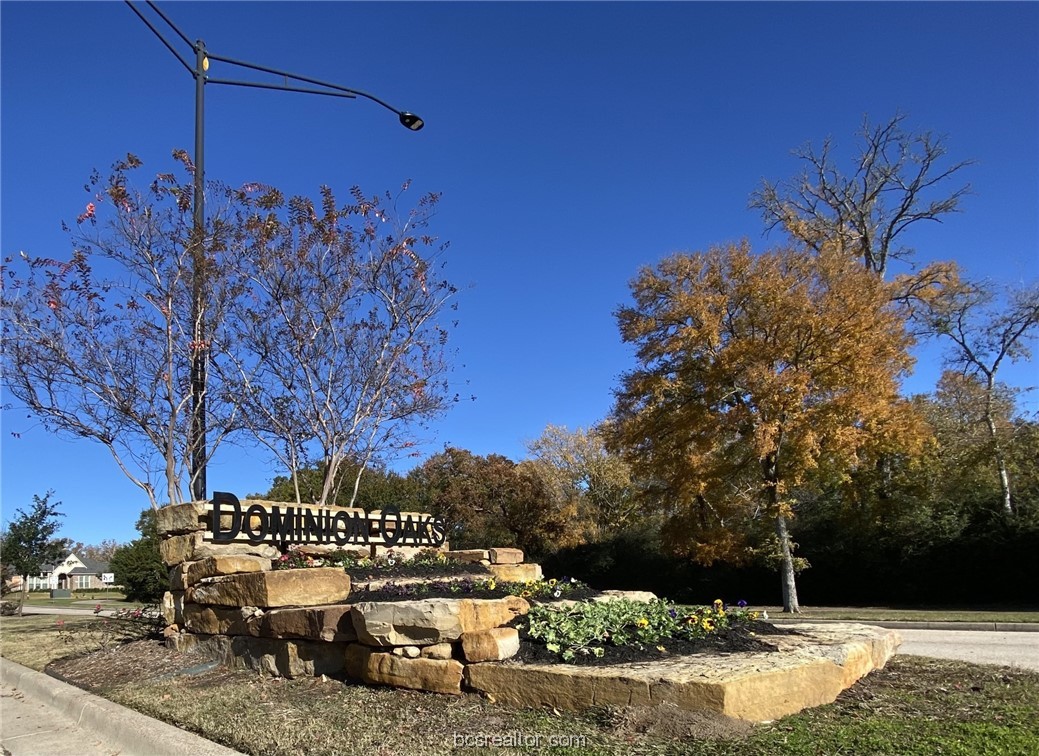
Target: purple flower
(673, 613)
(741, 603)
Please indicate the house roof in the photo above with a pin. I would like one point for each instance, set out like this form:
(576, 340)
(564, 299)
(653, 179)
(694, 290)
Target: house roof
(90, 566)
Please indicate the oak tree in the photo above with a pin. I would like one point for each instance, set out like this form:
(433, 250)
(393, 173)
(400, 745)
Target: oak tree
(985, 333)
(898, 178)
(490, 501)
(593, 486)
(758, 377)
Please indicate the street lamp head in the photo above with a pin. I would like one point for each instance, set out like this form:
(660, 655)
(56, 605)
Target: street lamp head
(411, 121)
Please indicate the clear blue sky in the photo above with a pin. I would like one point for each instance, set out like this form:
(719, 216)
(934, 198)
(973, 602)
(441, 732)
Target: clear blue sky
(573, 143)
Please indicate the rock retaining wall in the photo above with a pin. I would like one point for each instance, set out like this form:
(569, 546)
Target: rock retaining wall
(226, 599)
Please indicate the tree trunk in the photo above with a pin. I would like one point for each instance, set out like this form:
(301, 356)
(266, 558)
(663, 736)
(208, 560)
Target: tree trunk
(997, 448)
(786, 573)
(25, 595)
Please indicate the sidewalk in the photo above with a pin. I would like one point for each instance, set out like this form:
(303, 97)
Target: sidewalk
(42, 716)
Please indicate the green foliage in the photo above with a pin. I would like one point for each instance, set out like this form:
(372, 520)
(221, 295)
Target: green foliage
(28, 542)
(590, 484)
(587, 627)
(378, 488)
(138, 566)
(490, 501)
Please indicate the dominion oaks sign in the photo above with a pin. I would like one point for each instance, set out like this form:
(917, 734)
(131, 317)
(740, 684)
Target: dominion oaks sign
(264, 522)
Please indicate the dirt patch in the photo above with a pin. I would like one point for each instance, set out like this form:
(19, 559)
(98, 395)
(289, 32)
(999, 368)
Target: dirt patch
(668, 722)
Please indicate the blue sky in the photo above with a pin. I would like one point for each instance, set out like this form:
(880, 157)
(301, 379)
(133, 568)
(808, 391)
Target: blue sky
(572, 142)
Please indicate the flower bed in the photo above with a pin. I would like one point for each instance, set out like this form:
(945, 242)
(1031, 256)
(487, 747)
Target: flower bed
(587, 630)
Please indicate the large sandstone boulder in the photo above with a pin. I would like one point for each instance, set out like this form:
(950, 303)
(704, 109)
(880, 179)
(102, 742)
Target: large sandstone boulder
(516, 573)
(172, 607)
(286, 658)
(304, 587)
(224, 564)
(382, 668)
(327, 623)
(192, 547)
(181, 518)
(808, 669)
(424, 622)
(506, 556)
(218, 620)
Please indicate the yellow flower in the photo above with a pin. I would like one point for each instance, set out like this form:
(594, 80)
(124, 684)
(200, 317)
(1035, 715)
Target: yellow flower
(643, 622)
(718, 603)
(552, 582)
(490, 584)
(525, 594)
(753, 615)
(707, 624)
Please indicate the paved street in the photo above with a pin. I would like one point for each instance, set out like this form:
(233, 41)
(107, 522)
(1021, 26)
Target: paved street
(979, 647)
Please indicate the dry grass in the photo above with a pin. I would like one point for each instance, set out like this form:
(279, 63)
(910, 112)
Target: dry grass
(35, 640)
(913, 706)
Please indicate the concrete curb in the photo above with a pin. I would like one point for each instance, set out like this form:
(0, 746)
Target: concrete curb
(999, 627)
(131, 732)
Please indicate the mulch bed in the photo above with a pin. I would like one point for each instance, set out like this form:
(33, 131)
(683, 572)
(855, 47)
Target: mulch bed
(446, 589)
(405, 569)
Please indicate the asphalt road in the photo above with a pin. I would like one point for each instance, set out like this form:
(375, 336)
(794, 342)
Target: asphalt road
(976, 646)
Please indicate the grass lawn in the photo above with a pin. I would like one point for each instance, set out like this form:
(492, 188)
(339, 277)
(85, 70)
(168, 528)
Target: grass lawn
(43, 597)
(912, 706)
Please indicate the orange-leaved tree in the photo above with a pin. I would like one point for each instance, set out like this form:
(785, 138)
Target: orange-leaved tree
(761, 378)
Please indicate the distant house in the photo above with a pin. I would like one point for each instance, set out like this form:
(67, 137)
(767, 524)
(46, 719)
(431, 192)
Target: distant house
(73, 573)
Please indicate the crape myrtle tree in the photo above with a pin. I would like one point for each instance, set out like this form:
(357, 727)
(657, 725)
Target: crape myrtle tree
(320, 341)
(339, 353)
(761, 379)
(29, 542)
(99, 345)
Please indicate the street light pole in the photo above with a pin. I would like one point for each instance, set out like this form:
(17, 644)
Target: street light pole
(199, 346)
(197, 443)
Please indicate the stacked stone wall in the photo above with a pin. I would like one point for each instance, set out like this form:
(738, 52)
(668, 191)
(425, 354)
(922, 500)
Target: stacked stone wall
(227, 599)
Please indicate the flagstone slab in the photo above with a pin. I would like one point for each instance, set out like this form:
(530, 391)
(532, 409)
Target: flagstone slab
(808, 669)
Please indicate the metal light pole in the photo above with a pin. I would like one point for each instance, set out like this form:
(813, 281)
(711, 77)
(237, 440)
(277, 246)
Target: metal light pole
(199, 340)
